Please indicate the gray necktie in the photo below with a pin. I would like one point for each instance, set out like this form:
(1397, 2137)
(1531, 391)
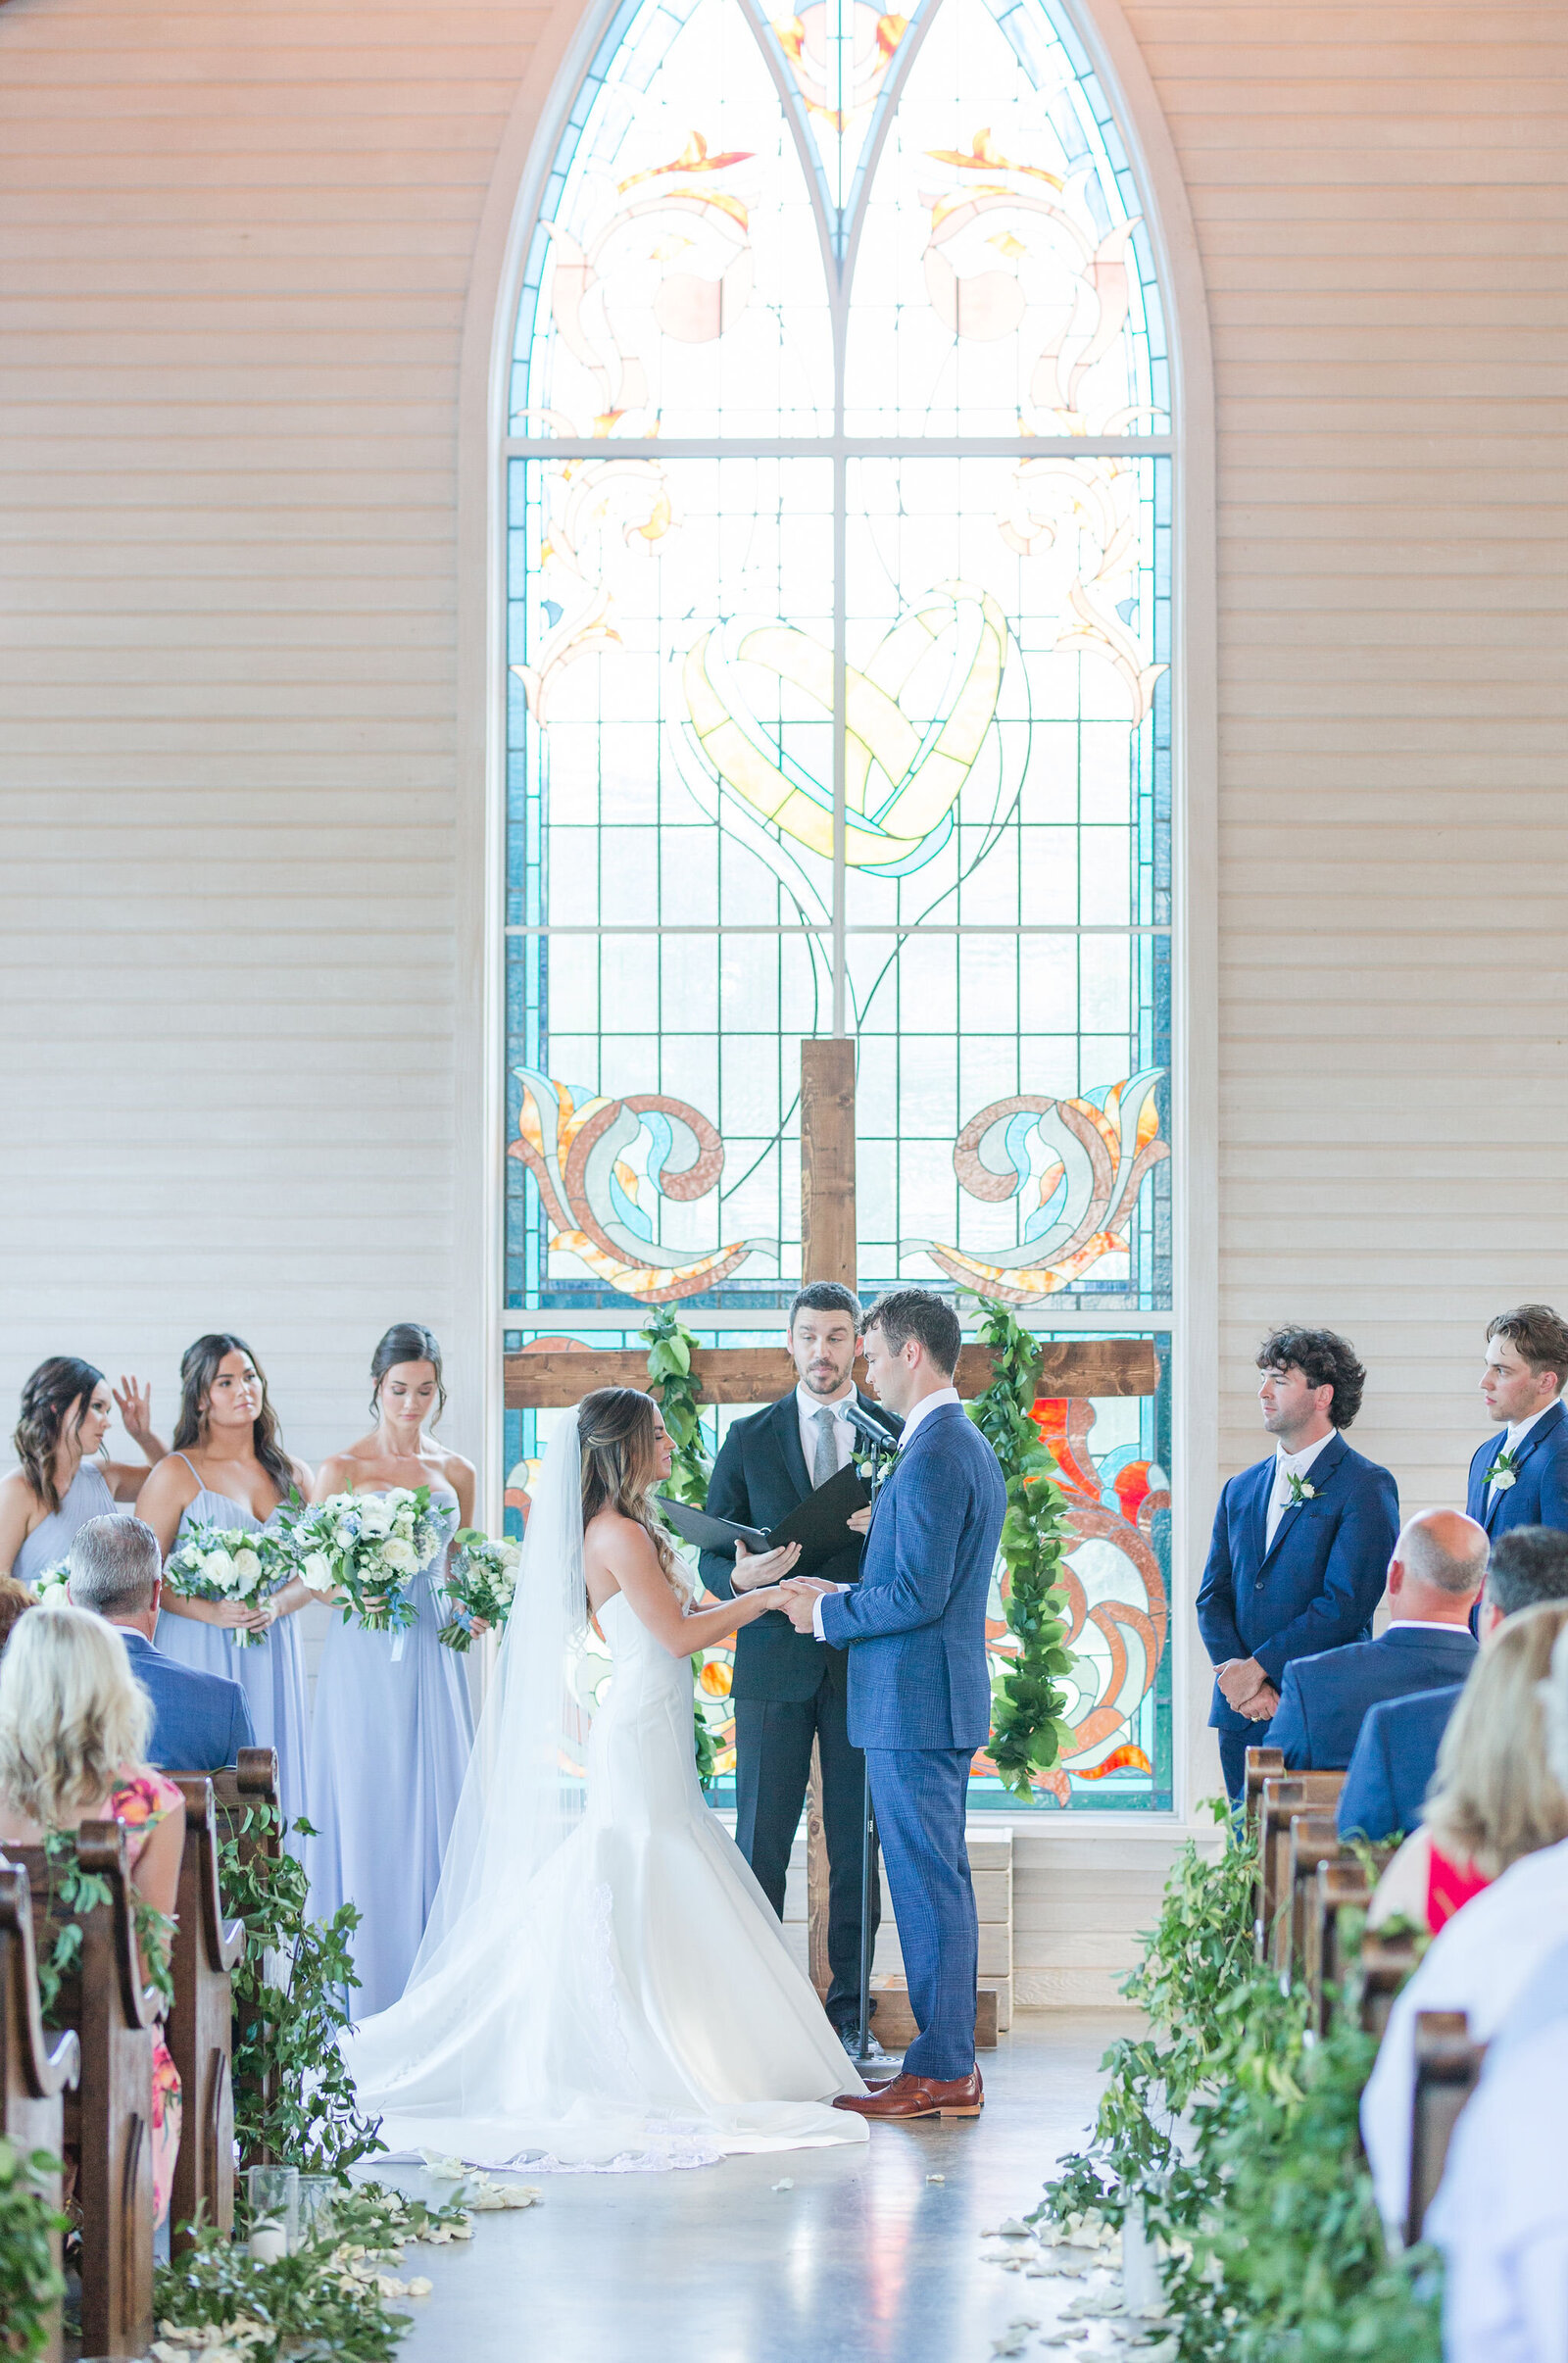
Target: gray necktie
(825, 1458)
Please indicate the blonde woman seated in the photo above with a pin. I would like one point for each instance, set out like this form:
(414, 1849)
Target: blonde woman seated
(1489, 1871)
(73, 1730)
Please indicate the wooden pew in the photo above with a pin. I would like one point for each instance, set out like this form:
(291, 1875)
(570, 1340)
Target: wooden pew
(1280, 1798)
(1313, 1840)
(1385, 1964)
(37, 2067)
(109, 2121)
(201, 2024)
(1340, 1885)
(238, 1789)
(1448, 2069)
(1259, 1765)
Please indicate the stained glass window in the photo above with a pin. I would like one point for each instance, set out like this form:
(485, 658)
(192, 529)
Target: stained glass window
(839, 643)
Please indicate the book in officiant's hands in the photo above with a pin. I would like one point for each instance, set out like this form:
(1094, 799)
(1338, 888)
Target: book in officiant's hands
(820, 1523)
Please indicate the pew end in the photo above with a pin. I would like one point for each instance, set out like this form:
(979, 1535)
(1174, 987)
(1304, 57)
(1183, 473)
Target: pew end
(1314, 1841)
(1385, 1964)
(1259, 1765)
(1340, 1886)
(1448, 2069)
(39, 2069)
(1281, 1797)
(208, 1948)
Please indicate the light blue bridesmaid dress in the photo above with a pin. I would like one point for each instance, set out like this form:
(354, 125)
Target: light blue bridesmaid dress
(389, 1749)
(271, 1671)
(87, 1496)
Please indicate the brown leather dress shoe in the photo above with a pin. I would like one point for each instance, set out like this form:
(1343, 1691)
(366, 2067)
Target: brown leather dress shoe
(919, 2097)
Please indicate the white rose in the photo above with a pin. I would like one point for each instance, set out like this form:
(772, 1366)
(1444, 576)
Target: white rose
(375, 1518)
(317, 1571)
(218, 1568)
(248, 1568)
(400, 1556)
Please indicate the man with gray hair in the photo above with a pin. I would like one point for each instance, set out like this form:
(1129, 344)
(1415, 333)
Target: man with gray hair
(1437, 1570)
(200, 1721)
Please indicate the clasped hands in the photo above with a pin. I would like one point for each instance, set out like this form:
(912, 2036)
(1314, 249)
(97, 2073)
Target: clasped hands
(1245, 1687)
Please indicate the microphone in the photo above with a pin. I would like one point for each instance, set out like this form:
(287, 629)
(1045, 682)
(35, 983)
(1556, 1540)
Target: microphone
(872, 1430)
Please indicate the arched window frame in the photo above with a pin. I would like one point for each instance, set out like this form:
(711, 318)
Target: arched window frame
(568, 41)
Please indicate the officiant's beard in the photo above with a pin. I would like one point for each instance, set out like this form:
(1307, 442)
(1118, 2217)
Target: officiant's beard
(824, 1367)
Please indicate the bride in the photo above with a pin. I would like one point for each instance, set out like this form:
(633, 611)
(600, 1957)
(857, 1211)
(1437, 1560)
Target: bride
(603, 1983)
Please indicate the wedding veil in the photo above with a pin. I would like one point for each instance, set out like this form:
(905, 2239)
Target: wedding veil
(524, 1791)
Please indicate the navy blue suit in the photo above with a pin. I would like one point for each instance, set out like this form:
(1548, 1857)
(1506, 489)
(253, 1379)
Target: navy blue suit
(200, 1721)
(1326, 1699)
(1392, 1764)
(1539, 1494)
(1314, 1588)
(921, 1705)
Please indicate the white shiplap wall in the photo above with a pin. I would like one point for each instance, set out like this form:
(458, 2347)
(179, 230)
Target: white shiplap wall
(240, 861)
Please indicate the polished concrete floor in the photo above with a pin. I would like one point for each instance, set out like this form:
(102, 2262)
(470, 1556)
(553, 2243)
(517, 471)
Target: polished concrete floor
(865, 2260)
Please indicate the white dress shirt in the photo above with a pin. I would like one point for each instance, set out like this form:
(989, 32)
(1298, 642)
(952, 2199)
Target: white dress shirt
(1285, 1466)
(928, 1403)
(809, 1404)
(1502, 2213)
(1478, 1962)
(1518, 1430)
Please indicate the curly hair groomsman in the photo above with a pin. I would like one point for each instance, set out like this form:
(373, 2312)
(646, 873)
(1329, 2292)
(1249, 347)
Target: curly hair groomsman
(1523, 1480)
(1301, 1541)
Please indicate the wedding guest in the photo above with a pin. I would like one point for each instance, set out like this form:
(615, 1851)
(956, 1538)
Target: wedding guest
(1479, 1962)
(1396, 1752)
(228, 1469)
(62, 1482)
(1500, 2216)
(1434, 1577)
(1300, 1541)
(15, 1601)
(1523, 1480)
(200, 1721)
(393, 1727)
(1493, 1799)
(73, 1726)
(788, 1689)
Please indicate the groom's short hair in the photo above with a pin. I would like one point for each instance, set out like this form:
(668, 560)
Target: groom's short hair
(914, 1312)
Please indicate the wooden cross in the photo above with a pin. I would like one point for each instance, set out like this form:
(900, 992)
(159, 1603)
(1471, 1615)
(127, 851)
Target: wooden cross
(761, 1374)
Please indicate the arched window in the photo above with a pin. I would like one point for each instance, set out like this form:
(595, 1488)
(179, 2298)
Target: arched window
(839, 481)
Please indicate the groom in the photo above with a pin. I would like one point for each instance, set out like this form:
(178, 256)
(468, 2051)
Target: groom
(919, 1688)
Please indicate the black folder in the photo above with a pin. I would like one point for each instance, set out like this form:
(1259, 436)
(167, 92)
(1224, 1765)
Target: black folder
(820, 1523)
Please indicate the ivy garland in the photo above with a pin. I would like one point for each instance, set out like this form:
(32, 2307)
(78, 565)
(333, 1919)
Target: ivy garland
(1028, 1710)
(30, 2282)
(671, 1382)
(294, 2097)
(76, 1893)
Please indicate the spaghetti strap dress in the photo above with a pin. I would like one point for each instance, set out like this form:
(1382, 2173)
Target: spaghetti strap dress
(389, 1747)
(271, 1671)
(87, 1496)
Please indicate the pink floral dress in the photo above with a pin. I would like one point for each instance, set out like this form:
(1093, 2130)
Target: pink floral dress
(138, 1805)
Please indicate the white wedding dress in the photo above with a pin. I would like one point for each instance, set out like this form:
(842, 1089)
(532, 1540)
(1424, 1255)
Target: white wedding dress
(628, 2001)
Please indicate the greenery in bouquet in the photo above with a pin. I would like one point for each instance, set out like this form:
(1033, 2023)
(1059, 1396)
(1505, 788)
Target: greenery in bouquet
(222, 1563)
(364, 1551)
(480, 1586)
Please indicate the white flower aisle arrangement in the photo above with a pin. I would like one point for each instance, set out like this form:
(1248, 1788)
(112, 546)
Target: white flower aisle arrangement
(215, 1563)
(480, 1586)
(367, 1549)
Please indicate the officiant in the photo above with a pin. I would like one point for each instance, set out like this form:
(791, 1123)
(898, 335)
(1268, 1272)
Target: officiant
(788, 1689)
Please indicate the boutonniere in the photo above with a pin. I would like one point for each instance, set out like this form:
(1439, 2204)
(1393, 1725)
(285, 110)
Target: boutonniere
(1502, 1472)
(1300, 1490)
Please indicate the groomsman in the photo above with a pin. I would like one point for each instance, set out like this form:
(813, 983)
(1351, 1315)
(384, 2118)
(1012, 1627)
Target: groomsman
(789, 1689)
(1523, 1480)
(1301, 1541)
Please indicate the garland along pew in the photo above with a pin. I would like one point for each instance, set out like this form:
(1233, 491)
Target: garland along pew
(206, 1950)
(86, 1919)
(1230, 2130)
(38, 2072)
(250, 1839)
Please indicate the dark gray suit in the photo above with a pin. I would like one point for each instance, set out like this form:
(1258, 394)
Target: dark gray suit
(788, 1691)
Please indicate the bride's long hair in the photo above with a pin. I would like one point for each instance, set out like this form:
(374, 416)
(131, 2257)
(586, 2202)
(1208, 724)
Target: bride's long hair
(619, 1447)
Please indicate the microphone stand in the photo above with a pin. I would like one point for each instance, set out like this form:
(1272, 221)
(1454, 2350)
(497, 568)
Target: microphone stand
(882, 1448)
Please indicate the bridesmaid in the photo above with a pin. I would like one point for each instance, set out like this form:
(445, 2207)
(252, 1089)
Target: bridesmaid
(392, 1732)
(65, 1412)
(229, 1468)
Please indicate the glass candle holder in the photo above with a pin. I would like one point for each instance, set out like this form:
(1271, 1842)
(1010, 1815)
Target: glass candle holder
(318, 2193)
(274, 2199)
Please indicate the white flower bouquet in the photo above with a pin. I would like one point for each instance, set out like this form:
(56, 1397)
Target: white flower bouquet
(216, 1563)
(480, 1586)
(49, 1586)
(367, 1548)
